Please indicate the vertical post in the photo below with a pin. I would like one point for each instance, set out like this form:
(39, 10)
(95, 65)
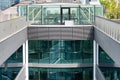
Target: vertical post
(41, 14)
(26, 59)
(27, 12)
(97, 54)
(90, 14)
(94, 14)
(19, 13)
(95, 58)
(79, 14)
(24, 51)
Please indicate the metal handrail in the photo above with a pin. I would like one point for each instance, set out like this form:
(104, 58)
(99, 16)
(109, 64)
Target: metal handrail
(22, 74)
(109, 27)
(99, 74)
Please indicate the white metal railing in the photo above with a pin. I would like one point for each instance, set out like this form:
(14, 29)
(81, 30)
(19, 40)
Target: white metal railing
(10, 27)
(109, 27)
(22, 74)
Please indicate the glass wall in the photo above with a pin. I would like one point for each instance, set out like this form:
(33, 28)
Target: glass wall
(86, 15)
(35, 14)
(57, 14)
(74, 14)
(103, 57)
(60, 74)
(51, 15)
(8, 73)
(60, 51)
(16, 57)
(111, 73)
(99, 10)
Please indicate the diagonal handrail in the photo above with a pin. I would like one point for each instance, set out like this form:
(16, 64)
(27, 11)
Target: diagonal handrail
(109, 27)
(39, 12)
(99, 74)
(22, 74)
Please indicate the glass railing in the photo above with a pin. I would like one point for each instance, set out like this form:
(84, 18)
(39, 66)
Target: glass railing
(58, 14)
(10, 73)
(60, 51)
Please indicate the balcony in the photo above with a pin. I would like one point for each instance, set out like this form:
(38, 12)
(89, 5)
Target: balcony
(47, 14)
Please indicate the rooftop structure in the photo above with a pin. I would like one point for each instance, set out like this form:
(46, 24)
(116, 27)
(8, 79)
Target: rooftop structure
(59, 41)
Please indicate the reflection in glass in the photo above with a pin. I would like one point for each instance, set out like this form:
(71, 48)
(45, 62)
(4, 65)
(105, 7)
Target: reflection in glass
(60, 74)
(35, 15)
(8, 73)
(103, 57)
(111, 73)
(74, 15)
(52, 15)
(16, 57)
(61, 51)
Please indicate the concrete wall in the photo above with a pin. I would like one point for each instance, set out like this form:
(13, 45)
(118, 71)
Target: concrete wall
(60, 32)
(106, 33)
(10, 45)
(13, 34)
(110, 46)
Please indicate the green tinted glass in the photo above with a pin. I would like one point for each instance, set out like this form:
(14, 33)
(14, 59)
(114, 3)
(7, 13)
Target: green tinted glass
(61, 51)
(60, 74)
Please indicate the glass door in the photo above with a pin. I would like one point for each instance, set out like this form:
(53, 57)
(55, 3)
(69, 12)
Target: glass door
(65, 14)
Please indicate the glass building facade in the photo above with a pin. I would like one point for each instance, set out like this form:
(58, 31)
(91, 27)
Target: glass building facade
(104, 57)
(10, 73)
(64, 52)
(16, 57)
(61, 51)
(60, 74)
(111, 73)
